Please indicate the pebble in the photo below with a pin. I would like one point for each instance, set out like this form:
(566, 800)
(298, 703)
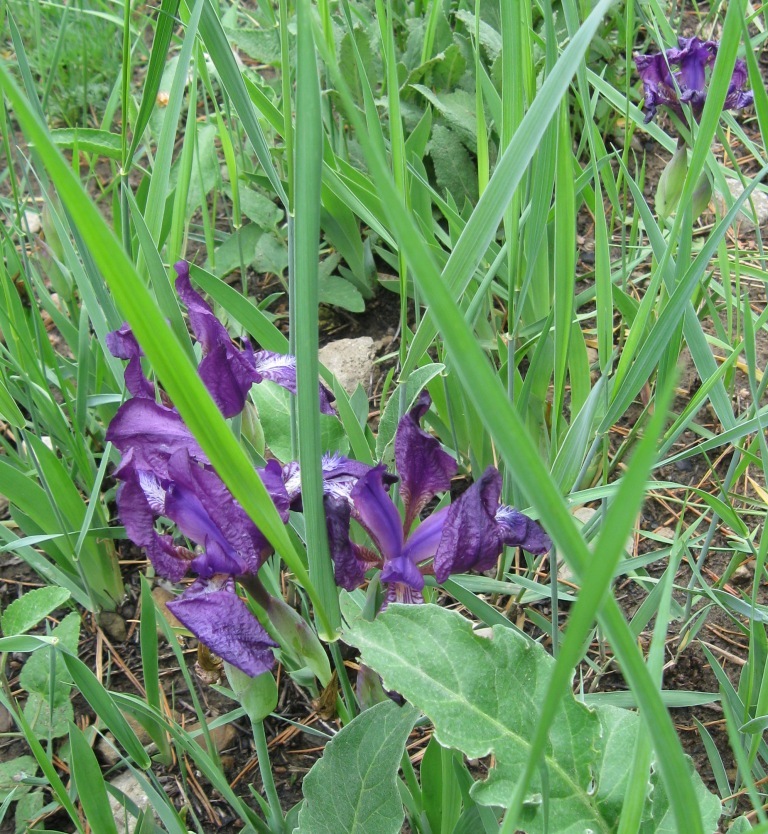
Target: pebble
(129, 785)
(350, 361)
(744, 220)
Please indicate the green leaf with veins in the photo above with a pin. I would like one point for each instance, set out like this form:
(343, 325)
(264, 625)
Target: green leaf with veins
(483, 693)
(353, 788)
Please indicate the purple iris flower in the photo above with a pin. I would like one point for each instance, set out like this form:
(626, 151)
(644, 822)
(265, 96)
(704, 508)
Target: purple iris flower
(227, 371)
(686, 83)
(470, 534)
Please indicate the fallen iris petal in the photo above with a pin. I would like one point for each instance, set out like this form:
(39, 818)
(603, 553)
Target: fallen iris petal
(216, 615)
(424, 467)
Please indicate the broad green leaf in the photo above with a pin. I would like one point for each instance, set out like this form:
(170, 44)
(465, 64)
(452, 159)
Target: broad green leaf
(462, 681)
(659, 815)
(36, 672)
(48, 719)
(28, 808)
(454, 168)
(101, 142)
(11, 771)
(274, 405)
(27, 611)
(353, 788)
(337, 292)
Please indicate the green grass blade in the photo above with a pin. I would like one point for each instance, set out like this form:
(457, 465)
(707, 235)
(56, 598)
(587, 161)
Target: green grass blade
(510, 169)
(306, 192)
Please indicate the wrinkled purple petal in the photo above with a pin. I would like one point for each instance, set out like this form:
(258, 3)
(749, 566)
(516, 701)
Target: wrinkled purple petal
(154, 433)
(138, 517)
(216, 615)
(339, 476)
(517, 530)
(471, 539)
(272, 478)
(228, 376)
(374, 510)
(348, 568)
(424, 468)
(207, 513)
(687, 83)
(692, 57)
(123, 345)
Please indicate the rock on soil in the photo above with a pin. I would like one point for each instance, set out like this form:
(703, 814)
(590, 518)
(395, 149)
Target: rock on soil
(744, 221)
(350, 361)
(128, 784)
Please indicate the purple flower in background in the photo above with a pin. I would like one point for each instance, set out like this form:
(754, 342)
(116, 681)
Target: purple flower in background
(227, 371)
(677, 77)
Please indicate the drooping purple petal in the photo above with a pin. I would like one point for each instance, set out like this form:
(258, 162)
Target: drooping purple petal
(280, 368)
(692, 57)
(471, 539)
(228, 376)
(402, 571)
(123, 345)
(206, 512)
(216, 615)
(339, 476)
(153, 432)
(517, 530)
(424, 468)
(272, 478)
(348, 568)
(374, 510)
(208, 330)
(138, 512)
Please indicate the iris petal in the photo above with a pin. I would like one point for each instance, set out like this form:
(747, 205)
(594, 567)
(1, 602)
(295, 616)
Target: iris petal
(217, 616)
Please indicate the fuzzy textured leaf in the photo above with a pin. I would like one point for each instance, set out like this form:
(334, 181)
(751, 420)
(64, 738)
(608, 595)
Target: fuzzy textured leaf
(353, 788)
(483, 697)
(27, 611)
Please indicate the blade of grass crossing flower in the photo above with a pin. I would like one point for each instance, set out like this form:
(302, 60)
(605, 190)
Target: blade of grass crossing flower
(530, 475)
(510, 169)
(220, 52)
(160, 345)
(306, 192)
(610, 545)
(719, 82)
(86, 774)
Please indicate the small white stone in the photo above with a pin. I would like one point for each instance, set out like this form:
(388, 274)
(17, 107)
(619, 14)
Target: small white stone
(350, 361)
(744, 219)
(128, 784)
(32, 222)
